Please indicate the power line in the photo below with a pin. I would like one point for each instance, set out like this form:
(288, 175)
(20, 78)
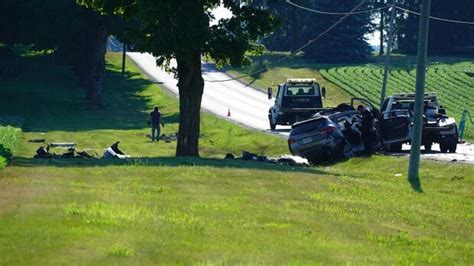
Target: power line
(351, 12)
(436, 18)
(337, 13)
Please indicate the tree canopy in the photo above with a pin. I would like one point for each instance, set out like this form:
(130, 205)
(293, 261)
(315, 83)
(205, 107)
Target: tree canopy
(444, 37)
(346, 42)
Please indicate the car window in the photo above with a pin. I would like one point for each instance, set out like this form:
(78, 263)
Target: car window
(302, 91)
(308, 126)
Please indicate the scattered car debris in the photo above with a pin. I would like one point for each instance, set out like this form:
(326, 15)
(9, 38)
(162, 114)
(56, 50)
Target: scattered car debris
(45, 153)
(114, 152)
(290, 160)
(36, 140)
(169, 138)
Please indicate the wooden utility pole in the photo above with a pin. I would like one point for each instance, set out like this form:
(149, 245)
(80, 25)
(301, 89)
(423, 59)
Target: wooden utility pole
(381, 27)
(389, 52)
(414, 166)
(124, 55)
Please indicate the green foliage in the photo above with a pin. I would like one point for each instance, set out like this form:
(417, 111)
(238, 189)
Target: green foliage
(444, 37)
(9, 138)
(344, 43)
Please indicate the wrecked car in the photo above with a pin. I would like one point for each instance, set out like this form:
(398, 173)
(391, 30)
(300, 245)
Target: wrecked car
(331, 134)
(323, 137)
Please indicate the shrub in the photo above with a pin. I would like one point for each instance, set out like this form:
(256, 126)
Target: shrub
(8, 141)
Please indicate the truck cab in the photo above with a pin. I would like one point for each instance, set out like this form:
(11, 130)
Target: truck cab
(396, 123)
(295, 100)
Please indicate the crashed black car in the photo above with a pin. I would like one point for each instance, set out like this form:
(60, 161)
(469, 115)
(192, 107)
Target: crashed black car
(329, 135)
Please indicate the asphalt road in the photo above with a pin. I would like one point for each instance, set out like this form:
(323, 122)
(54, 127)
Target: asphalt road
(246, 106)
(249, 107)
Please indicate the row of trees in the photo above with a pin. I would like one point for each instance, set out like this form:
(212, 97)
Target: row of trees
(444, 37)
(169, 29)
(347, 42)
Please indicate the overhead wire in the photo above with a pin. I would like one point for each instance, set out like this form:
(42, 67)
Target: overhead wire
(345, 16)
(436, 18)
(337, 13)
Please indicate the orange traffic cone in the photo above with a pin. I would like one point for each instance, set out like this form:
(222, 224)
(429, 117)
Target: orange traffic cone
(228, 112)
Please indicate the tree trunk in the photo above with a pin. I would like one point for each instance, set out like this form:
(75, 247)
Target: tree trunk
(96, 68)
(382, 26)
(191, 87)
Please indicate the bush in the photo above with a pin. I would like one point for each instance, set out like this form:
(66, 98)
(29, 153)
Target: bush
(8, 141)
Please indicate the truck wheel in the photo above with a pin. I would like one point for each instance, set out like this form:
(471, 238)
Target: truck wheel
(428, 146)
(452, 148)
(395, 147)
(272, 125)
(443, 146)
(453, 144)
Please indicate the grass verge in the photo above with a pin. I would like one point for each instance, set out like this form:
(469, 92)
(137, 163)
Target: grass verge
(159, 209)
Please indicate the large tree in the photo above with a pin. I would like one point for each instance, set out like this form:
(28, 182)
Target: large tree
(180, 29)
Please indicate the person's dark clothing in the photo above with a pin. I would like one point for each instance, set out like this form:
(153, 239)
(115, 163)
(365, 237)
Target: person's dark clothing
(155, 118)
(367, 131)
(155, 121)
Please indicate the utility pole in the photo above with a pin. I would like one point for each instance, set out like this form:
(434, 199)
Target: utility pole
(414, 166)
(124, 53)
(381, 27)
(389, 52)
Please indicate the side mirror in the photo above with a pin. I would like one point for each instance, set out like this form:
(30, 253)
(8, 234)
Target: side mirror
(270, 92)
(324, 92)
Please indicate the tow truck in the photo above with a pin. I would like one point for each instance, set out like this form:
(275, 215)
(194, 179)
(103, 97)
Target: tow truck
(396, 123)
(296, 100)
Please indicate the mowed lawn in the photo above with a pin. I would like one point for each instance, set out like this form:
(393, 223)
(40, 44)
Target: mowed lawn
(156, 209)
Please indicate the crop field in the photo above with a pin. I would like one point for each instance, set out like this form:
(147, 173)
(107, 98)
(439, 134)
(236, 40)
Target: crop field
(452, 83)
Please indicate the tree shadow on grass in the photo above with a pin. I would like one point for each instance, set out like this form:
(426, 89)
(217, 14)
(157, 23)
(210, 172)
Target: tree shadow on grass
(163, 162)
(49, 98)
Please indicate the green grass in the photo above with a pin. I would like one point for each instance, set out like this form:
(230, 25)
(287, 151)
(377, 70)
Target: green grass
(157, 209)
(448, 77)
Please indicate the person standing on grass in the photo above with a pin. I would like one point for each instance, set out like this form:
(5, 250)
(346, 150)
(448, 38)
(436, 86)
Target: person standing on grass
(367, 131)
(154, 122)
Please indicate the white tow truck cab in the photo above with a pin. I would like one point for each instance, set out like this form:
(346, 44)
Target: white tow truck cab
(295, 100)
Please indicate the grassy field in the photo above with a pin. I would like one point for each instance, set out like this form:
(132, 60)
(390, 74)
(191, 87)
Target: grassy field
(451, 78)
(156, 209)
